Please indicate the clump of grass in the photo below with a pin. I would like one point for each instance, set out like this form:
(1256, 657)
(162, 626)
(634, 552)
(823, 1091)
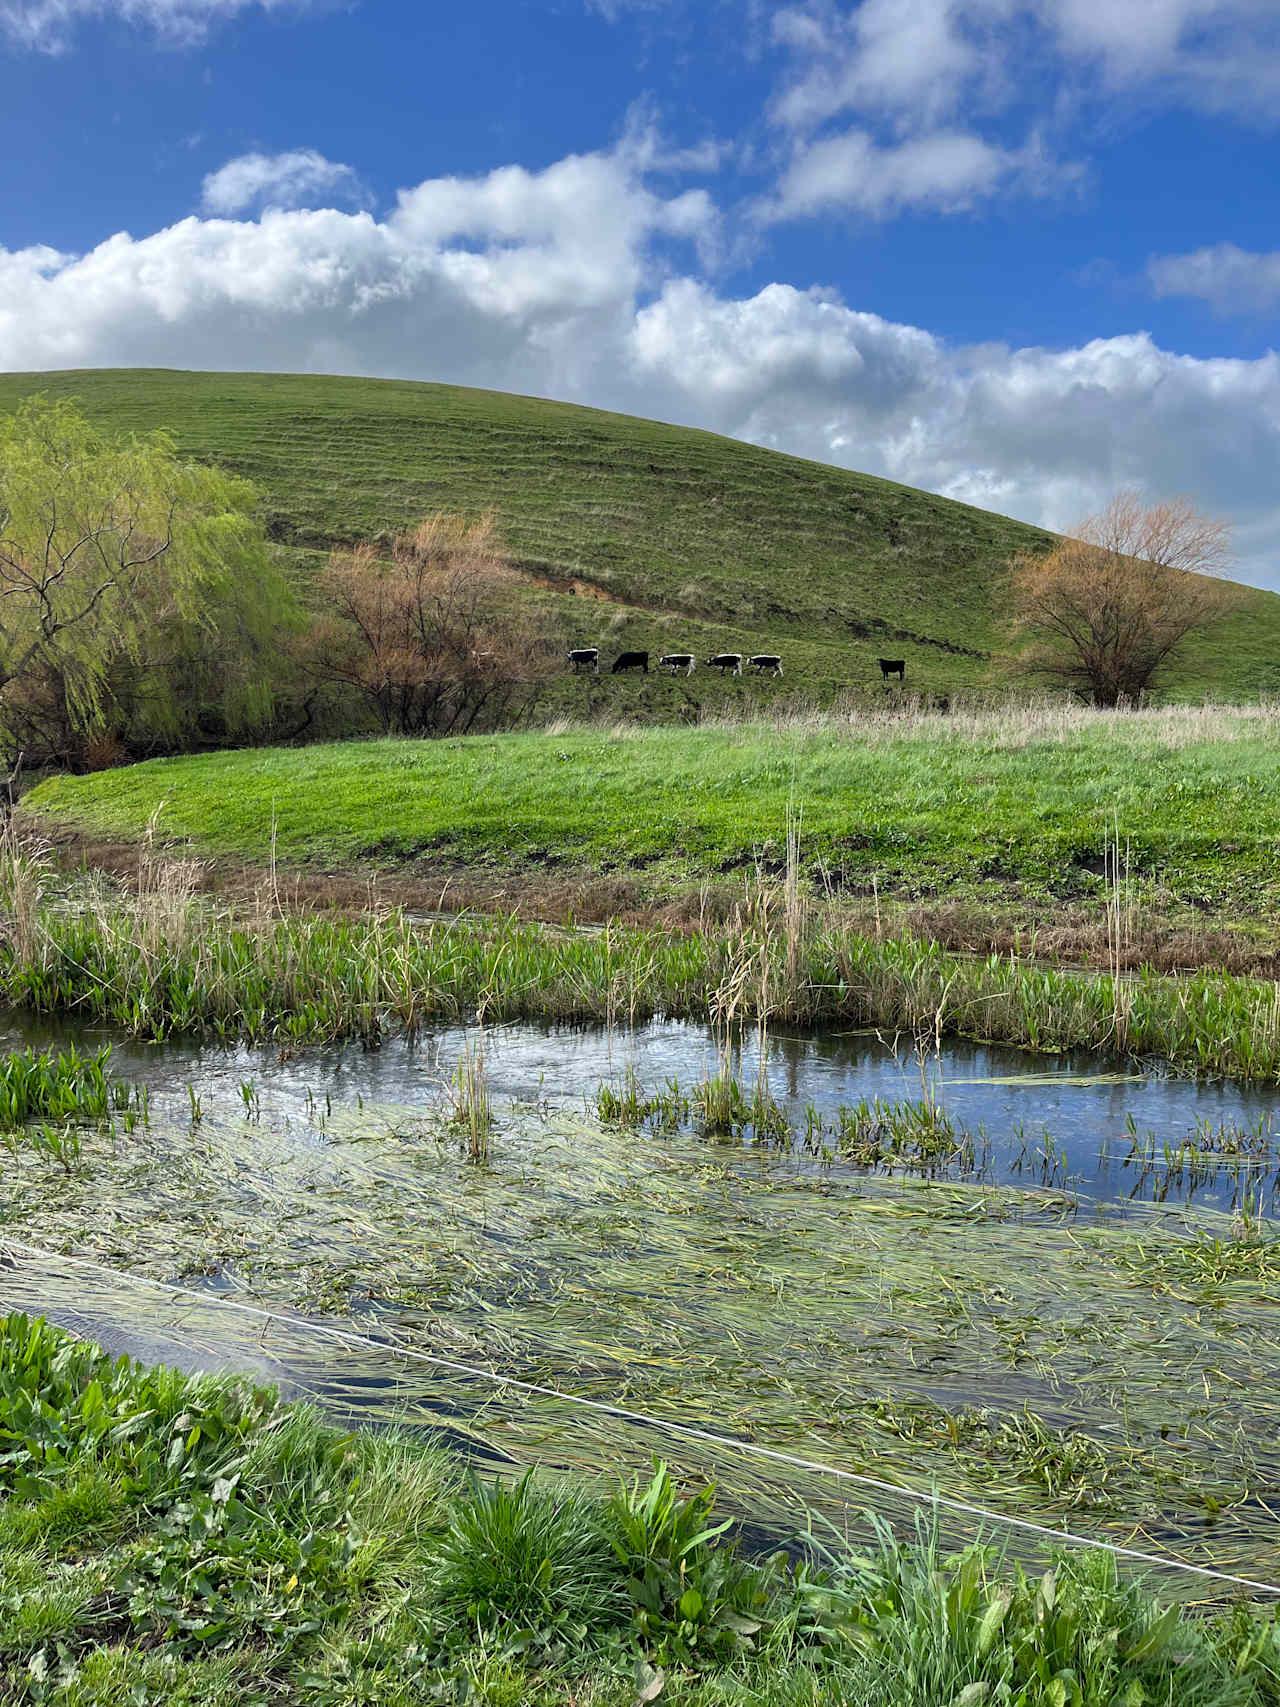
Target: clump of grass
(626, 1106)
(875, 1133)
(528, 1559)
(472, 1106)
(45, 1098)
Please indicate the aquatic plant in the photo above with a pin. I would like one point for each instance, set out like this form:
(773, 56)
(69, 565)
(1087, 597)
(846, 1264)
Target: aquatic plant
(878, 1133)
(235, 1538)
(311, 978)
(471, 1105)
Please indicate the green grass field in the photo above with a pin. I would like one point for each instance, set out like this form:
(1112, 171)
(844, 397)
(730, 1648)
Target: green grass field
(634, 533)
(1020, 804)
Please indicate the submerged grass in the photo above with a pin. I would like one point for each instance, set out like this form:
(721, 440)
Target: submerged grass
(183, 1540)
(977, 1337)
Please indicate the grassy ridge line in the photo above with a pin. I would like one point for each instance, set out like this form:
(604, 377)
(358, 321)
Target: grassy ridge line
(179, 1541)
(678, 528)
(1020, 805)
(161, 964)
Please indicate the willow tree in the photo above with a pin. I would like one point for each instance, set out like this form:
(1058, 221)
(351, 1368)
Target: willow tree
(1107, 608)
(138, 600)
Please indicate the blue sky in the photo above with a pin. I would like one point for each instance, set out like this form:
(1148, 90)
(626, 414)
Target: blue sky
(1022, 252)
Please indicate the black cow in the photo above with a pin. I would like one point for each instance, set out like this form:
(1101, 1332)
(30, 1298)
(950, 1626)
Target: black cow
(585, 657)
(768, 663)
(678, 663)
(892, 667)
(631, 661)
(731, 661)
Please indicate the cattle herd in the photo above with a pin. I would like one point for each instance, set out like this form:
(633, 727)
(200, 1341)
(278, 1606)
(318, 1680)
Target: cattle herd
(675, 663)
(684, 663)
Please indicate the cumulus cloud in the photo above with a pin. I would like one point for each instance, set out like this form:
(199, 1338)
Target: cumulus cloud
(948, 170)
(939, 88)
(50, 25)
(919, 61)
(574, 282)
(297, 178)
(1231, 280)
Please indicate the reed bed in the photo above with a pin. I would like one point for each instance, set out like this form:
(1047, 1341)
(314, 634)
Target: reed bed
(288, 978)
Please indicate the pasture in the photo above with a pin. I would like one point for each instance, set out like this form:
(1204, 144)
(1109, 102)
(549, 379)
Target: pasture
(1017, 813)
(637, 535)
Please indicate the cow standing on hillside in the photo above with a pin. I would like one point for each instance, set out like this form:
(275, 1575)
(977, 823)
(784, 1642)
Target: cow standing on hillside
(731, 661)
(631, 661)
(585, 658)
(892, 667)
(768, 663)
(678, 663)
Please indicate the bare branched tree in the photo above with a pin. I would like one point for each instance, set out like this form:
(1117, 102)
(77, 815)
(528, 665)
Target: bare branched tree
(1106, 609)
(433, 633)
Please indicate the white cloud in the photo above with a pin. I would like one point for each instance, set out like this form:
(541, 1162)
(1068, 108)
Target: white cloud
(921, 61)
(50, 25)
(1232, 280)
(563, 283)
(297, 178)
(947, 170)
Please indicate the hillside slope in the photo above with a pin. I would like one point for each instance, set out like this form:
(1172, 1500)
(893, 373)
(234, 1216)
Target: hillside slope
(635, 533)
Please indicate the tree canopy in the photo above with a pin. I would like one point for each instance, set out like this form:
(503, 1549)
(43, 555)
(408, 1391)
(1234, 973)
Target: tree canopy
(1106, 608)
(138, 598)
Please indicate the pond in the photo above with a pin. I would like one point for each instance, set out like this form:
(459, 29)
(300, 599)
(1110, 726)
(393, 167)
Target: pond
(1065, 1323)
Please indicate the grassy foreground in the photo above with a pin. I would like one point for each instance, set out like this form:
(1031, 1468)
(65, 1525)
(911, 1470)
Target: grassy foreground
(164, 1539)
(1013, 809)
(634, 533)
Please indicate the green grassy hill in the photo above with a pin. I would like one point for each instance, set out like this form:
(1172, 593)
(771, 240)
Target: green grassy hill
(635, 533)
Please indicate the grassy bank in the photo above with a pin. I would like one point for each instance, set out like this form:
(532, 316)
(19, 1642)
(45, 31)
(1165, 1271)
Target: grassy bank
(635, 533)
(1020, 811)
(161, 962)
(176, 1540)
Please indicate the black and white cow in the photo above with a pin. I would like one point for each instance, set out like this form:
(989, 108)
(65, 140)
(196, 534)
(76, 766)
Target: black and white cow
(731, 661)
(678, 663)
(768, 663)
(585, 658)
(631, 661)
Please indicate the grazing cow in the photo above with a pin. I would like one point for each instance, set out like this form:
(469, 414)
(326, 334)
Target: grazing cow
(678, 663)
(731, 661)
(585, 658)
(768, 663)
(631, 661)
(892, 667)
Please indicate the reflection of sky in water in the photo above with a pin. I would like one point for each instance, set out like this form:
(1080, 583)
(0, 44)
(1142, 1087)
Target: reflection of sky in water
(1014, 1097)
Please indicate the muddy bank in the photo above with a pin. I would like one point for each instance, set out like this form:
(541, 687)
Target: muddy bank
(1065, 935)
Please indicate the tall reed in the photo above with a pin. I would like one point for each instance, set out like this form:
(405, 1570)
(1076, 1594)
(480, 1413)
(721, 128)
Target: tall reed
(310, 978)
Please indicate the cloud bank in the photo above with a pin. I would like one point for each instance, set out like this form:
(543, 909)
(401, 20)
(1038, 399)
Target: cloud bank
(580, 282)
